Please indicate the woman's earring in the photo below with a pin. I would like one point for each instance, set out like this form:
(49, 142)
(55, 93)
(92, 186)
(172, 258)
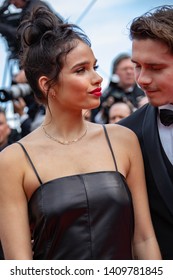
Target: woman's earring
(53, 94)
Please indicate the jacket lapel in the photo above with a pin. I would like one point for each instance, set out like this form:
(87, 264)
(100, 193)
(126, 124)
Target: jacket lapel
(152, 148)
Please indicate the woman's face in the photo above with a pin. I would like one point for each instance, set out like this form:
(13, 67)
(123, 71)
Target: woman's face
(78, 79)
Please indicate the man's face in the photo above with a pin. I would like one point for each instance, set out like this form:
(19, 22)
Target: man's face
(4, 130)
(154, 70)
(125, 72)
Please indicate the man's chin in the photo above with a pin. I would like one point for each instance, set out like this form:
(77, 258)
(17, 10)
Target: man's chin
(156, 103)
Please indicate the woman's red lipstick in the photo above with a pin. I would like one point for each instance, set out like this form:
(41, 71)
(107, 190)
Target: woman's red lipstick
(96, 92)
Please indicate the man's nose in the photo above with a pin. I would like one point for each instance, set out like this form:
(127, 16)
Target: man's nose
(143, 78)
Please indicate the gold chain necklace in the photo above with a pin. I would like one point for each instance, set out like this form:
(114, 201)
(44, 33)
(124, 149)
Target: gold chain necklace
(66, 142)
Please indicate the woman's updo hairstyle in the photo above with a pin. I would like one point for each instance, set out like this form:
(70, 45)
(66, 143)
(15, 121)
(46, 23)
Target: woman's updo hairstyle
(45, 41)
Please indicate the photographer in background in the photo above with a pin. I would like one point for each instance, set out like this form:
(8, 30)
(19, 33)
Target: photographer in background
(119, 111)
(31, 113)
(8, 135)
(9, 22)
(30, 118)
(5, 130)
(122, 86)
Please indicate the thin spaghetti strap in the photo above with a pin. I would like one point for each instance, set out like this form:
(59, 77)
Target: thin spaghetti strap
(33, 167)
(110, 146)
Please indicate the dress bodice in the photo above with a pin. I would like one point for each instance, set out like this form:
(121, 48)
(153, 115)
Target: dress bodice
(82, 217)
(87, 216)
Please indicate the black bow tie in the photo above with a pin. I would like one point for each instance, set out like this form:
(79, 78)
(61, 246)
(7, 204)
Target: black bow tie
(166, 117)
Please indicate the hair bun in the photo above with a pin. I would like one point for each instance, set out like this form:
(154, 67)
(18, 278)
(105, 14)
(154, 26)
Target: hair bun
(33, 27)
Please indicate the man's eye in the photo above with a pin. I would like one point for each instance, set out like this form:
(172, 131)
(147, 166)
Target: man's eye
(96, 67)
(137, 66)
(156, 68)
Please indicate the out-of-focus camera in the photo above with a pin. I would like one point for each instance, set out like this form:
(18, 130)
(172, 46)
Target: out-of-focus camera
(15, 91)
(6, 16)
(9, 19)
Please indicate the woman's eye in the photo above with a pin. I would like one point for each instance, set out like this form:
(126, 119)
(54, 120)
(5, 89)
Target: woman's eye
(83, 69)
(96, 67)
(80, 70)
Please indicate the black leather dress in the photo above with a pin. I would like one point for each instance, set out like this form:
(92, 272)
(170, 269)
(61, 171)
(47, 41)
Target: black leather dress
(82, 217)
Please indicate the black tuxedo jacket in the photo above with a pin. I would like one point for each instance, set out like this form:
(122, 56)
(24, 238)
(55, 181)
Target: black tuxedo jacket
(159, 175)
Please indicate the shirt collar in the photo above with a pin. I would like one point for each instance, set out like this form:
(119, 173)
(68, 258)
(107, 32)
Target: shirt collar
(167, 106)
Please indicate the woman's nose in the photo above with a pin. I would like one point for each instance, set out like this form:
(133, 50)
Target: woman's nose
(98, 79)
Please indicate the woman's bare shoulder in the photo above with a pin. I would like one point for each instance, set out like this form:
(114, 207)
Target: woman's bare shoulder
(14, 152)
(119, 132)
(11, 154)
(123, 138)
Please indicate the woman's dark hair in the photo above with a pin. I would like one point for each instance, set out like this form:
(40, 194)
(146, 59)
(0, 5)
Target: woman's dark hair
(45, 41)
(156, 24)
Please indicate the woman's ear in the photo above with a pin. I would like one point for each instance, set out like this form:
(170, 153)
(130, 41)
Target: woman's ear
(42, 82)
(44, 87)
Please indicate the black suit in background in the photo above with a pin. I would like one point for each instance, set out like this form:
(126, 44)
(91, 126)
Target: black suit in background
(159, 175)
